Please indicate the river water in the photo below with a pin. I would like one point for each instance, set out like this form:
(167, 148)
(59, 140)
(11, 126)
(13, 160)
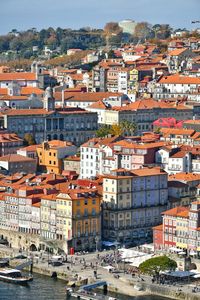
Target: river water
(45, 288)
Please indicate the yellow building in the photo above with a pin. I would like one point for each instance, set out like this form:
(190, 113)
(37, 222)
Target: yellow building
(48, 217)
(182, 223)
(52, 153)
(78, 214)
(63, 217)
(86, 218)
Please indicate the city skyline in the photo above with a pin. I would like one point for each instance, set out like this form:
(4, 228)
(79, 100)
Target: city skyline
(77, 14)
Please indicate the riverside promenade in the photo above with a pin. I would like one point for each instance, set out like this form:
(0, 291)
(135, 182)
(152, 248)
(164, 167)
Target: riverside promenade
(79, 268)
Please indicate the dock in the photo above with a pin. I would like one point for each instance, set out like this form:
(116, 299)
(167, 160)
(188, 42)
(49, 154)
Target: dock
(82, 296)
(94, 285)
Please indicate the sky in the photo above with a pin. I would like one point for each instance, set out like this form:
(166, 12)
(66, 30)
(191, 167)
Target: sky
(25, 14)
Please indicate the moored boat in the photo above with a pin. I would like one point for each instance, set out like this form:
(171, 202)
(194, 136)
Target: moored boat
(14, 276)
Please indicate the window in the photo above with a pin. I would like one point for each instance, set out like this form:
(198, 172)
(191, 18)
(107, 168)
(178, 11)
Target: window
(49, 153)
(50, 162)
(86, 202)
(93, 201)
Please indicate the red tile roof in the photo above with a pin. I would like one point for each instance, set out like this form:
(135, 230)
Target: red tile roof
(185, 177)
(179, 79)
(159, 227)
(24, 112)
(98, 105)
(176, 131)
(149, 104)
(177, 52)
(85, 97)
(175, 211)
(18, 76)
(15, 158)
(24, 91)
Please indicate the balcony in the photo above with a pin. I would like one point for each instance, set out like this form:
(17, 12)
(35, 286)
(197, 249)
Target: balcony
(89, 216)
(133, 207)
(174, 169)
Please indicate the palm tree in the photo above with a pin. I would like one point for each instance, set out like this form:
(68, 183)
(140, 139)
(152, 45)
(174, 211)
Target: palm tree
(129, 128)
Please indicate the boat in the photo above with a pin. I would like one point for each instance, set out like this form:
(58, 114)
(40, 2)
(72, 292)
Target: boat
(87, 296)
(14, 276)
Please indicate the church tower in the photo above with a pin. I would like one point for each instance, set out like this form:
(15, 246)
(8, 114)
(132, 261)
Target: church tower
(49, 101)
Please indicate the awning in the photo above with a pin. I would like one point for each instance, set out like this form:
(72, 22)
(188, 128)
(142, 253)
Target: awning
(109, 244)
(193, 253)
(108, 268)
(174, 249)
(182, 253)
(138, 260)
(180, 274)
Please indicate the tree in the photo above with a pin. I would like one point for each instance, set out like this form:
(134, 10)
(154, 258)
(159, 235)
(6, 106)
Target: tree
(111, 54)
(112, 31)
(157, 130)
(164, 31)
(103, 131)
(116, 129)
(15, 44)
(112, 28)
(142, 30)
(29, 139)
(155, 265)
(128, 127)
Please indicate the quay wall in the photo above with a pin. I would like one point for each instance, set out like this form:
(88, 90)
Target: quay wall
(165, 291)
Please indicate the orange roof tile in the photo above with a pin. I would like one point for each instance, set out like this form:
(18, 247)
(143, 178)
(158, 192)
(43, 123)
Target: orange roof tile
(15, 158)
(57, 144)
(133, 145)
(24, 112)
(98, 105)
(192, 122)
(176, 131)
(179, 79)
(179, 154)
(31, 148)
(85, 97)
(149, 104)
(8, 97)
(185, 177)
(177, 51)
(159, 227)
(175, 211)
(51, 197)
(24, 91)
(96, 142)
(183, 214)
(36, 204)
(148, 171)
(18, 76)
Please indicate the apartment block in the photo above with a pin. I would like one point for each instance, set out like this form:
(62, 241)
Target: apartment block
(132, 203)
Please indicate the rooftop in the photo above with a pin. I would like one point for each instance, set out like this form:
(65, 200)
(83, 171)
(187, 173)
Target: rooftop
(15, 158)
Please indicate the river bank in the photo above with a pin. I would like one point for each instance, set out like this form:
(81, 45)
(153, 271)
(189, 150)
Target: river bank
(125, 285)
(43, 288)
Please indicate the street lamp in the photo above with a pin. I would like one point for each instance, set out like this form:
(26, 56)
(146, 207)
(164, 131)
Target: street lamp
(96, 265)
(96, 241)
